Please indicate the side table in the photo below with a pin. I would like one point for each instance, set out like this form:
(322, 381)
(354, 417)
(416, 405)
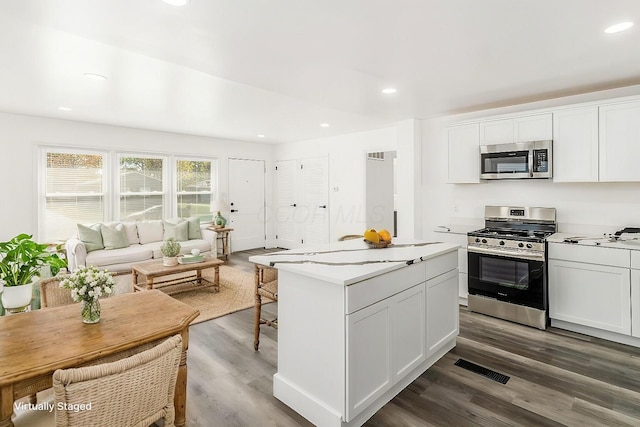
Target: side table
(223, 234)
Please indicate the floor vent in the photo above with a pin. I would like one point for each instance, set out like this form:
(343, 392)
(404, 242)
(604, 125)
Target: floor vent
(481, 370)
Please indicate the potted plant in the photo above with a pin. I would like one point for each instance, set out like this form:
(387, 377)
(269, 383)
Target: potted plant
(21, 261)
(87, 285)
(170, 249)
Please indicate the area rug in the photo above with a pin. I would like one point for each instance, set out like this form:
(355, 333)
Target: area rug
(236, 293)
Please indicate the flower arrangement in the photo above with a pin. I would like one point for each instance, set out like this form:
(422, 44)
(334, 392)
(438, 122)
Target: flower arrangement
(88, 283)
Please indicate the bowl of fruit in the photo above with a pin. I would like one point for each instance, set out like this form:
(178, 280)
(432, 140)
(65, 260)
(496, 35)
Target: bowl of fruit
(377, 239)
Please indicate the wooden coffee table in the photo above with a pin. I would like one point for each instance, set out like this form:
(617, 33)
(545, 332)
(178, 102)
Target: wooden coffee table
(155, 274)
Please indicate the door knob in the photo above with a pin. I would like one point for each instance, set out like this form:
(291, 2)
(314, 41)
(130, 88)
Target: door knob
(234, 210)
(323, 206)
(294, 205)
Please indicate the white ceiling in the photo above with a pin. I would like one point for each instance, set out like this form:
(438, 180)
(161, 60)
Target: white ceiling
(238, 68)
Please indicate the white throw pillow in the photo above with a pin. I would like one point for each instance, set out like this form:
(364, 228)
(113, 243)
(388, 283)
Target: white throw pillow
(132, 232)
(150, 231)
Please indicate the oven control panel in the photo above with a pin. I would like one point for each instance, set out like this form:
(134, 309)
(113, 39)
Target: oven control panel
(510, 245)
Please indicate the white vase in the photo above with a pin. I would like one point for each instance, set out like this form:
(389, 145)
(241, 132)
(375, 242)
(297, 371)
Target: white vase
(17, 299)
(169, 261)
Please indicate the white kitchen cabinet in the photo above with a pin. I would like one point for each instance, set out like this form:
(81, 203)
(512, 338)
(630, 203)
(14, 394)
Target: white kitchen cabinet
(351, 338)
(575, 145)
(442, 315)
(635, 303)
(635, 293)
(592, 295)
(536, 127)
(620, 142)
(369, 359)
(386, 341)
(463, 277)
(463, 154)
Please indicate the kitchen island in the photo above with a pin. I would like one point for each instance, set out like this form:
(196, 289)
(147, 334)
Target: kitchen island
(358, 325)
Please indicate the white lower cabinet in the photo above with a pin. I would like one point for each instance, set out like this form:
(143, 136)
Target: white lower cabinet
(442, 315)
(635, 303)
(592, 295)
(386, 341)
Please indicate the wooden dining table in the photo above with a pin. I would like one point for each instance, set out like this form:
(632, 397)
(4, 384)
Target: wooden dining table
(34, 344)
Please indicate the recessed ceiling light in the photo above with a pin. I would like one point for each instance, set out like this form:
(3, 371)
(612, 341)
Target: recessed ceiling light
(176, 2)
(389, 90)
(619, 27)
(64, 108)
(324, 125)
(95, 76)
(261, 136)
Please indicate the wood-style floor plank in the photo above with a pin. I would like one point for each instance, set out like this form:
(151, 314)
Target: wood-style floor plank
(558, 378)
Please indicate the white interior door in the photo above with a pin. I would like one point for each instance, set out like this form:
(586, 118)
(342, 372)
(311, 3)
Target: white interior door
(246, 202)
(314, 199)
(287, 180)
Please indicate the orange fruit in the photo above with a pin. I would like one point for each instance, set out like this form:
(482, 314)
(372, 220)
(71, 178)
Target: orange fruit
(384, 235)
(372, 236)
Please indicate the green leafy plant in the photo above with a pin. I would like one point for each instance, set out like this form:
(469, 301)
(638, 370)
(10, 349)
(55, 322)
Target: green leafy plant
(170, 247)
(22, 258)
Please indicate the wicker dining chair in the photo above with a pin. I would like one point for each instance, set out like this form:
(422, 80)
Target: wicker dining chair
(52, 295)
(266, 281)
(134, 391)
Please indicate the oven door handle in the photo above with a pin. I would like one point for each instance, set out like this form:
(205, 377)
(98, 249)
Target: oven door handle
(506, 254)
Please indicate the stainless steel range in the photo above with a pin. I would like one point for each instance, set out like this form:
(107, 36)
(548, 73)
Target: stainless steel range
(508, 264)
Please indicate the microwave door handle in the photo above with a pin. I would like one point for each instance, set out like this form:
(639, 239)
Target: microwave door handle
(531, 165)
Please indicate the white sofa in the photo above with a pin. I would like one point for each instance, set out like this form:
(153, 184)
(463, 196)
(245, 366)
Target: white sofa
(144, 239)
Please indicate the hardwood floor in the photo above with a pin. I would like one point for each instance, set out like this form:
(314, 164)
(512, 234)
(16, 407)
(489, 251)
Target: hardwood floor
(557, 378)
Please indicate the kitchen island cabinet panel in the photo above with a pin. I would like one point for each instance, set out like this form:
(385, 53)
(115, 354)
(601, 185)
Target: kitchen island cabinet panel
(442, 317)
(337, 367)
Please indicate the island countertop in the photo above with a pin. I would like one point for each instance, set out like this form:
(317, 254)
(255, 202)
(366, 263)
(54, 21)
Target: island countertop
(351, 261)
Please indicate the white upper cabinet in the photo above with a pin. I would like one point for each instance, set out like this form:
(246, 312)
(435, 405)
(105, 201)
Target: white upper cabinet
(620, 142)
(537, 127)
(575, 145)
(463, 154)
(496, 132)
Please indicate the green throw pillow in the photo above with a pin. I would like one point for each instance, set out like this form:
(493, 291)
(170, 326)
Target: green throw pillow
(194, 228)
(179, 231)
(114, 237)
(91, 237)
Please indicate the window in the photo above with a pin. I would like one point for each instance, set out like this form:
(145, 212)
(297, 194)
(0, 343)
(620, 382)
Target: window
(92, 186)
(74, 184)
(194, 184)
(141, 188)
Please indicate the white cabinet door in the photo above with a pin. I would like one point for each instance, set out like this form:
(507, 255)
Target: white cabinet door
(463, 154)
(408, 337)
(591, 295)
(620, 142)
(533, 128)
(442, 310)
(575, 145)
(496, 132)
(635, 303)
(537, 127)
(368, 356)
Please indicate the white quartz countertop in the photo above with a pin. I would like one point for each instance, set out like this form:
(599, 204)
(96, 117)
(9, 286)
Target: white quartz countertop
(626, 241)
(352, 261)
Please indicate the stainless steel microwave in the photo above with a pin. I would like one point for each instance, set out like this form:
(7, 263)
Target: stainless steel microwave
(519, 160)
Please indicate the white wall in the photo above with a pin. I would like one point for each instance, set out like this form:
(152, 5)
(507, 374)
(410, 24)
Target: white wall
(347, 158)
(20, 135)
(581, 207)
